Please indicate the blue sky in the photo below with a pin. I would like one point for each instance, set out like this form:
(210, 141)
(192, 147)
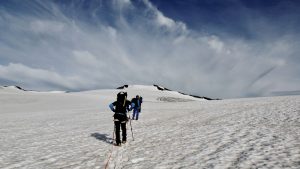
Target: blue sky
(223, 17)
(213, 48)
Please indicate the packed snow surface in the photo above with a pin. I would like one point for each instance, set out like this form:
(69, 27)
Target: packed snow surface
(75, 130)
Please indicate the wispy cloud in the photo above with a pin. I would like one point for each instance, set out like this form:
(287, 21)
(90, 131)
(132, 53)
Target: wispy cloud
(79, 45)
(22, 74)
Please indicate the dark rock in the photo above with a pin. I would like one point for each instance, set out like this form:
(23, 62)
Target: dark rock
(123, 87)
(161, 88)
(195, 96)
(18, 87)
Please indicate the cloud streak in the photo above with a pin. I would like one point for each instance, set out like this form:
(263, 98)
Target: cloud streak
(81, 45)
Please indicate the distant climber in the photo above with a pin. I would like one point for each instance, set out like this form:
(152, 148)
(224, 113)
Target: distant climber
(137, 107)
(120, 107)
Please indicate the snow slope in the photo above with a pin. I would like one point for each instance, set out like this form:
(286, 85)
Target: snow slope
(74, 130)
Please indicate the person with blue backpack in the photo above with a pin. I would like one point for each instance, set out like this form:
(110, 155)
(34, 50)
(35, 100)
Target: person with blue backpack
(120, 107)
(137, 107)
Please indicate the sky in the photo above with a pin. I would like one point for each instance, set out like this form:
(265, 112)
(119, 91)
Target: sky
(212, 48)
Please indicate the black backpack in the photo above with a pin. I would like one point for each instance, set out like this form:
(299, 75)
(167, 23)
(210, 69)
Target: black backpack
(134, 100)
(121, 98)
(121, 106)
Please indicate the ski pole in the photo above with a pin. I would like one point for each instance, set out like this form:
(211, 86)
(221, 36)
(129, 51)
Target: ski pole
(131, 128)
(114, 134)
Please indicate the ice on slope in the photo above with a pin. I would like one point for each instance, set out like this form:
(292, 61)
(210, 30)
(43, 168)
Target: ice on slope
(74, 130)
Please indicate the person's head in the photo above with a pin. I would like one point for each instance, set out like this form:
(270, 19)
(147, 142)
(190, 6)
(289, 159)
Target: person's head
(137, 96)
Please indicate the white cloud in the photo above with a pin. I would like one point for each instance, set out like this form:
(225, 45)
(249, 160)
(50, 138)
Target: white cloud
(112, 32)
(20, 73)
(215, 43)
(86, 58)
(162, 21)
(133, 47)
(123, 2)
(44, 26)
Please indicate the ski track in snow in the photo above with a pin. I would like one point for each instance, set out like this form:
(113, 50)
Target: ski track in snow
(74, 130)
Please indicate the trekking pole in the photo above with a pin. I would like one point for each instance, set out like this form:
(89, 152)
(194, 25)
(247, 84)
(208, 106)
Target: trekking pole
(131, 128)
(114, 134)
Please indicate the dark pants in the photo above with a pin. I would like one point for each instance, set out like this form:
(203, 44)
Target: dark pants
(135, 114)
(121, 125)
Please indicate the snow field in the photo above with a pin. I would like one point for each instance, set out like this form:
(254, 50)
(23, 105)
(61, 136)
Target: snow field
(74, 130)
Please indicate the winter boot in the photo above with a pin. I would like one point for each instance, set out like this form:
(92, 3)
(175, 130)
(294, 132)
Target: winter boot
(117, 144)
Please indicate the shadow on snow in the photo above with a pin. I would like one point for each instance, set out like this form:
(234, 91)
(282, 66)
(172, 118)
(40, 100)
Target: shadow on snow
(102, 137)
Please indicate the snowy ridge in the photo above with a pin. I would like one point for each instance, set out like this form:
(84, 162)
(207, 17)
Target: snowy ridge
(16, 88)
(74, 130)
(195, 96)
(20, 89)
(160, 89)
(160, 94)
